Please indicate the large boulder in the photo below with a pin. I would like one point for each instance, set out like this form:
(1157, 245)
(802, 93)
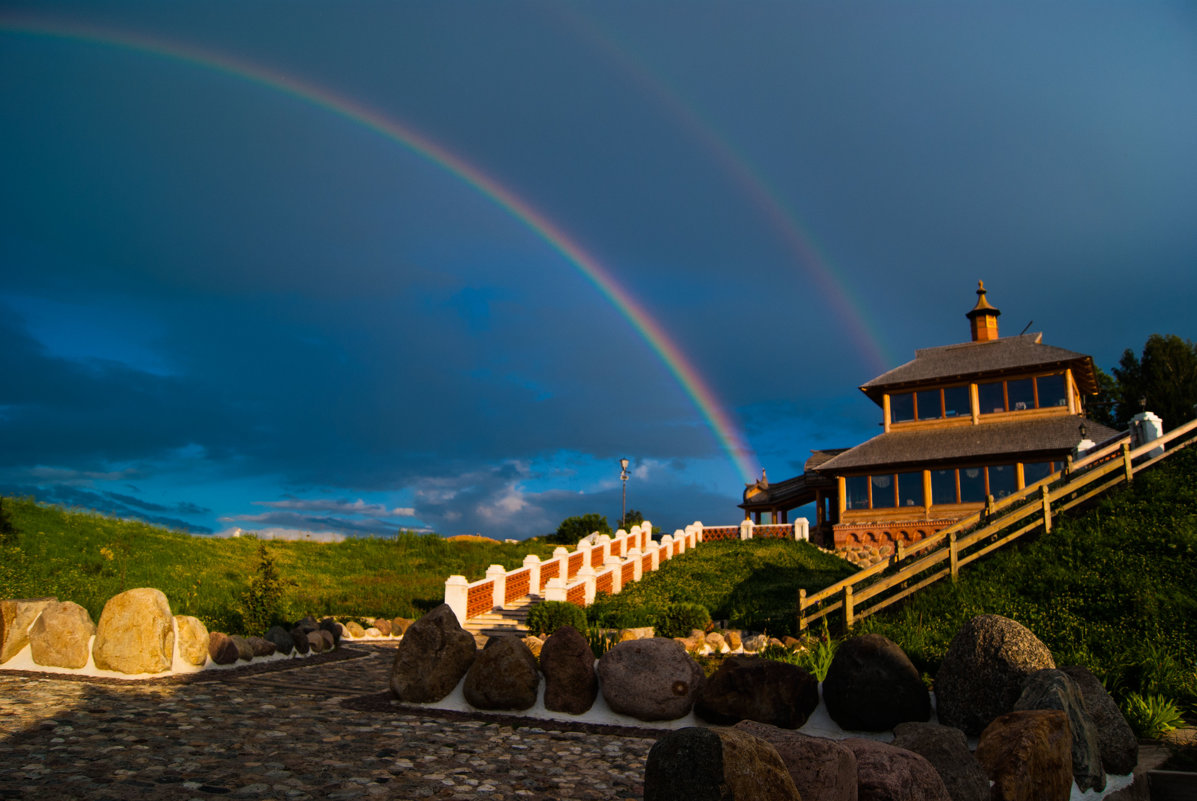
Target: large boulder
(1117, 742)
(649, 679)
(886, 773)
(503, 676)
(697, 764)
(752, 688)
(61, 636)
(222, 648)
(245, 651)
(16, 616)
(1028, 756)
(822, 769)
(1054, 689)
(946, 748)
(283, 642)
(873, 686)
(433, 657)
(982, 673)
(136, 633)
(570, 684)
(193, 640)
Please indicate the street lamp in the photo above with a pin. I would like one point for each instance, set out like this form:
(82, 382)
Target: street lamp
(623, 476)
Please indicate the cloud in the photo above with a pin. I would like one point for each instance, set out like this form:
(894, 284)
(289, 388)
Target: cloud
(358, 507)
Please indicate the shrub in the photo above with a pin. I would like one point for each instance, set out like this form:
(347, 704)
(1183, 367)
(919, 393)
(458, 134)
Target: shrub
(679, 619)
(546, 617)
(1151, 716)
(262, 603)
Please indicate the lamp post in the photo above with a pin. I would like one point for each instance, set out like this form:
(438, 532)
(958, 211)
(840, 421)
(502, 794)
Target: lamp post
(623, 476)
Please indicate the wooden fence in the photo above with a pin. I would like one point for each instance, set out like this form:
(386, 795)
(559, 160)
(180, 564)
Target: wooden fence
(912, 568)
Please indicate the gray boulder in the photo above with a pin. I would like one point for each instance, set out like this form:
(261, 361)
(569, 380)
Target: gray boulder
(1055, 689)
(822, 769)
(503, 676)
(873, 686)
(260, 646)
(1118, 744)
(649, 679)
(299, 638)
(751, 688)
(982, 673)
(281, 638)
(16, 616)
(696, 764)
(433, 657)
(335, 629)
(946, 748)
(245, 651)
(61, 636)
(886, 773)
(570, 683)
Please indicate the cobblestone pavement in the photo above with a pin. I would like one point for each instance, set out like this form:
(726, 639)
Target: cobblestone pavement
(298, 733)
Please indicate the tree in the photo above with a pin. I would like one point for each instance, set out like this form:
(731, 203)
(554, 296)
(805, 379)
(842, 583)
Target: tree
(1163, 380)
(573, 529)
(8, 532)
(633, 517)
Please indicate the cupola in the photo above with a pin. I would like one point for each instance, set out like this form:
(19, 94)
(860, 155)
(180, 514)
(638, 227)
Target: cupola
(983, 318)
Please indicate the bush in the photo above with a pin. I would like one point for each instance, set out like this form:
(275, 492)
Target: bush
(546, 617)
(1151, 716)
(678, 620)
(262, 603)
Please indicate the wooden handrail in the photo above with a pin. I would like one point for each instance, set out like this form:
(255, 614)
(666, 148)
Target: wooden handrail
(1035, 504)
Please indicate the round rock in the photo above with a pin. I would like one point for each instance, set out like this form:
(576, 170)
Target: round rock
(503, 676)
(752, 688)
(60, 637)
(432, 658)
(649, 679)
(570, 684)
(873, 686)
(136, 633)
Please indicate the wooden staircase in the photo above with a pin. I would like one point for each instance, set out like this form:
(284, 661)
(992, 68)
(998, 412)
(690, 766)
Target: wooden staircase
(507, 620)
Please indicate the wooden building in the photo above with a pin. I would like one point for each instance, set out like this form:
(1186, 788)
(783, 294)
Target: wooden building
(962, 423)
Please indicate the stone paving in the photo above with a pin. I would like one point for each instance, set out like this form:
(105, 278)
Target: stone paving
(319, 731)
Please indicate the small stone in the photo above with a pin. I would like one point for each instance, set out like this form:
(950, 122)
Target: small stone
(383, 625)
(355, 629)
(222, 649)
(260, 646)
(193, 640)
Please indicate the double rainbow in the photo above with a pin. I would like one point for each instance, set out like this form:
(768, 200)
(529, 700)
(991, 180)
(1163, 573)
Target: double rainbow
(720, 421)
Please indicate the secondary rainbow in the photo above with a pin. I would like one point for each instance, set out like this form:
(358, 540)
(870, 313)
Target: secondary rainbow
(721, 422)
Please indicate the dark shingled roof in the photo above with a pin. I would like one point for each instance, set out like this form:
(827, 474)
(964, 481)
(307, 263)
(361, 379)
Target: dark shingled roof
(1007, 355)
(1049, 437)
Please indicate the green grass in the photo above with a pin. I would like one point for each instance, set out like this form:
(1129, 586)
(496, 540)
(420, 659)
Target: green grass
(1113, 589)
(87, 558)
(752, 584)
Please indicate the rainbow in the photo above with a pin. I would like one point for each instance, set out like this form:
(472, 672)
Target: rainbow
(867, 341)
(720, 421)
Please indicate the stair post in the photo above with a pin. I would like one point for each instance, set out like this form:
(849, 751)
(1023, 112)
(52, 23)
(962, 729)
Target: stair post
(498, 574)
(586, 574)
(679, 541)
(613, 562)
(1047, 508)
(456, 593)
(634, 555)
(953, 555)
(801, 610)
(532, 565)
(555, 590)
(849, 616)
(666, 547)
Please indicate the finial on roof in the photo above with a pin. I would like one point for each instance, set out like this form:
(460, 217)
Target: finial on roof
(983, 317)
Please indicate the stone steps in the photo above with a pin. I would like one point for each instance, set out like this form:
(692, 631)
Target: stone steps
(507, 620)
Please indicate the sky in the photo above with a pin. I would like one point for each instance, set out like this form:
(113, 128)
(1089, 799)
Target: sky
(322, 269)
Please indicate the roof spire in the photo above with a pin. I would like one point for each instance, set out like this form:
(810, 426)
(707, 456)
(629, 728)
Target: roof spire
(983, 318)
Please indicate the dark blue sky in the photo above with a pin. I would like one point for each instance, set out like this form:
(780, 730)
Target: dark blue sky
(225, 304)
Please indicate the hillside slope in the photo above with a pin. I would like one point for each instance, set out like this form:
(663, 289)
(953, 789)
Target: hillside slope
(87, 558)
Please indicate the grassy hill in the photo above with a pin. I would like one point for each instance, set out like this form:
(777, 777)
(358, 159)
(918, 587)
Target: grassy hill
(87, 558)
(1114, 589)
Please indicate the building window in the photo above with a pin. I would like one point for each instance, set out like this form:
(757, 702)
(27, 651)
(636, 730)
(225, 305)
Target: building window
(1036, 471)
(901, 407)
(992, 396)
(883, 491)
(910, 489)
(956, 402)
(1003, 480)
(928, 405)
(943, 486)
(1020, 394)
(1052, 390)
(856, 492)
(972, 485)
